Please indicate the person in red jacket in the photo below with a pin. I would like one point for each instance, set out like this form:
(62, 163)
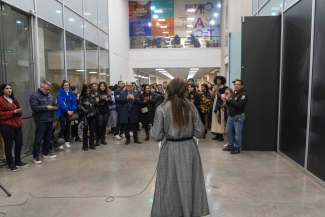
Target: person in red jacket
(11, 126)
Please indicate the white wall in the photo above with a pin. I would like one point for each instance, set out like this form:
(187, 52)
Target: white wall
(175, 58)
(119, 41)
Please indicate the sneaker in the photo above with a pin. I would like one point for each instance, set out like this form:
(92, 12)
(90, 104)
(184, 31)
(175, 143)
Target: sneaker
(50, 156)
(235, 151)
(67, 145)
(228, 149)
(122, 136)
(13, 168)
(117, 137)
(21, 164)
(131, 134)
(225, 145)
(37, 161)
(61, 147)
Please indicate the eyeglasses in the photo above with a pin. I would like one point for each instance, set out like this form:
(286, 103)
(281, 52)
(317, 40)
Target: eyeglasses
(47, 89)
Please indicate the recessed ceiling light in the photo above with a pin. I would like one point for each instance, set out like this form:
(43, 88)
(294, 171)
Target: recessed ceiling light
(160, 69)
(92, 72)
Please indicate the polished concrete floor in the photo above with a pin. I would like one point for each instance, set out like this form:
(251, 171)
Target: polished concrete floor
(248, 184)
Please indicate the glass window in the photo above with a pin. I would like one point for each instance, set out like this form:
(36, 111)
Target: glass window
(288, 3)
(255, 6)
(51, 54)
(73, 22)
(261, 3)
(26, 4)
(92, 62)
(75, 5)
(91, 32)
(51, 11)
(90, 11)
(104, 65)
(103, 39)
(75, 60)
(103, 15)
(271, 8)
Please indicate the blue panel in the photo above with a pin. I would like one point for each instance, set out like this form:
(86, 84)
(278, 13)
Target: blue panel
(140, 27)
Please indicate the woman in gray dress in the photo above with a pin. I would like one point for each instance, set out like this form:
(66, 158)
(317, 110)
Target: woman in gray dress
(180, 187)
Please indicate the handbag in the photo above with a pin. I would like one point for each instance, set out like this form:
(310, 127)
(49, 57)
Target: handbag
(144, 110)
(92, 112)
(74, 116)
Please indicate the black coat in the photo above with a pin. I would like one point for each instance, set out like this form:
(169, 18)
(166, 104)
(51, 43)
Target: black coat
(149, 116)
(125, 111)
(159, 98)
(196, 97)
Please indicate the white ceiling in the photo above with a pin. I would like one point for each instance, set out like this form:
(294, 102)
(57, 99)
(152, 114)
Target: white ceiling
(178, 72)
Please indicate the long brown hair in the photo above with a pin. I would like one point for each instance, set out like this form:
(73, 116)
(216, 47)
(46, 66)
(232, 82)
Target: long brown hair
(181, 107)
(2, 87)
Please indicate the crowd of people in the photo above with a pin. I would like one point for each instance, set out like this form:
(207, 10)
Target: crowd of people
(124, 108)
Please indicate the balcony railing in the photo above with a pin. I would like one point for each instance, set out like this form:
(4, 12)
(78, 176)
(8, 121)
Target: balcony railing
(174, 42)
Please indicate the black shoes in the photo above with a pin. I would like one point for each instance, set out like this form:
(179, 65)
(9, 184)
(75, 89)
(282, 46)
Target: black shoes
(227, 149)
(147, 137)
(216, 137)
(127, 142)
(103, 142)
(93, 148)
(78, 140)
(235, 151)
(137, 141)
(21, 164)
(13, 168)
(85, 149)
(97, 143)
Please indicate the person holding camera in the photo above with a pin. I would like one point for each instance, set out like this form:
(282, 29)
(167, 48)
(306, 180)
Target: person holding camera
(88, 117)
(11, 126)
(103, 112)
(67, 105)
(147, 109)
(236, 108)
(43, 107)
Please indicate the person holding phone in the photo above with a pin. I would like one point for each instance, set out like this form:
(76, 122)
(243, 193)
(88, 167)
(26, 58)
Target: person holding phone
(104, 100)
(11, 126)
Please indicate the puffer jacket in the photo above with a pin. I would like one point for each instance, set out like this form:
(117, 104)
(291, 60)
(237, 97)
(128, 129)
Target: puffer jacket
(66, 102)
(39, 102)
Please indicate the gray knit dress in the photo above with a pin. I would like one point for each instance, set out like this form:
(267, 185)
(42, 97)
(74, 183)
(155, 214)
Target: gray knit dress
(180, 187)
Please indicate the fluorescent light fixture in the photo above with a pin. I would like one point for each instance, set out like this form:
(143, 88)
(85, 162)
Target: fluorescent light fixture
(80, 70)
(193, 69)
(18, 22)
(191, 10)
(188, 31)
(59, 12)
(158, 11)
(152, 8)
(190, 18)
(71, 19)
(161, 19)
(189, 25)
(212, 22)
(215, 14)
(155, 16)
(165, 32)
(102, 73)
(162, 71)
(159, 69)
(87, 14)
(191, 75)
(92, 72)
(219, 5)
(163, 27)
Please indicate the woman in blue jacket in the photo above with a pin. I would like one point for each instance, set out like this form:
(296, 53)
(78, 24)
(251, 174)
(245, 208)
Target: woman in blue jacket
(67, 104)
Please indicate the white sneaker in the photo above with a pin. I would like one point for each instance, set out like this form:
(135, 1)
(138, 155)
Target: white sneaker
(37, 161)
(61, 147)
(117, 137)
(131, 134)
(67, 145)
(122, 136)
(225, 145)
(50, 156)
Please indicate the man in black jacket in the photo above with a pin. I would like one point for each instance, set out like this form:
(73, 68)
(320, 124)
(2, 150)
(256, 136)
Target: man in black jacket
(43, 107)
(236, 109)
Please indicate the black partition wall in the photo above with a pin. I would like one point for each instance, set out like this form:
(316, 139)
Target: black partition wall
(261, 40)
(316, 152)
(295, 80)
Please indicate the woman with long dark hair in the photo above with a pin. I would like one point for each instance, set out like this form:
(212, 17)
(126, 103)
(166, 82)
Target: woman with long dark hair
(88, 117)
(148, 109)
(67, 104)
(103, 112)
(11, 126)
(180, 187)
(219, 118)
(113, 116)
(74, 124)
(193, 96)
(204, 107)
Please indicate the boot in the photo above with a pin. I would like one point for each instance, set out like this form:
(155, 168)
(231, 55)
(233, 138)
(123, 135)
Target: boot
(220, 137)
(85, 147)
(216, 137)
(97, 142)
(147, 137)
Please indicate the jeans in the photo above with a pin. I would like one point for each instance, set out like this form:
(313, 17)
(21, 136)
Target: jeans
(43, 132)
(9, 135)
(234, 131)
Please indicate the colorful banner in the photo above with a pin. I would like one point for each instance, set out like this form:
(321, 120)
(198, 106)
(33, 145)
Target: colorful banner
(140, 27)
(139, 9)
(162, 9)
(163, 27)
